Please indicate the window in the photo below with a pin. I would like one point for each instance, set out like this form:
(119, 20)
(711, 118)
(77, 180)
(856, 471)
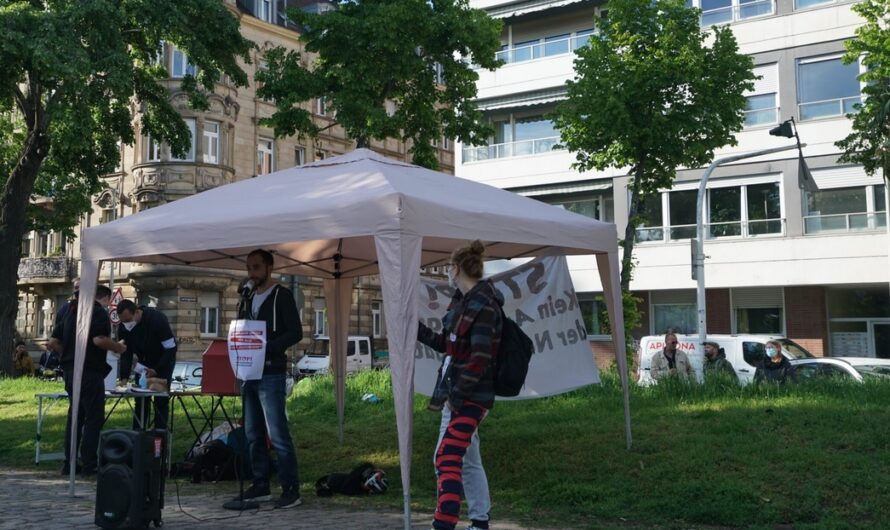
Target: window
(725, 11)
(761, 107)
(209, 304)
(764, 208)
(321, 317)
(321, 106)
(826, 87)
(758, 310)
(265, 10)
(803, 4)
(21, 315)
(45, 318)
(211, 142)
(681, 206)
(26, 244)
(299, 156)
(673, 310)
(376, 319)
(265, 156)
(440, 74)
(845, 209)
(152, 150)
(599, 206)
(181, 65)
(650, 214)
(557, 44)
(751, 210)
(594, 314)
(108, 215)
(446, 144)
(320, 154)
(44, 245)
(190, 155)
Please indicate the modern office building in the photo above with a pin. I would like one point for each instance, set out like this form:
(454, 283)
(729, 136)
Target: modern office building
(228, 145)
(811, 266)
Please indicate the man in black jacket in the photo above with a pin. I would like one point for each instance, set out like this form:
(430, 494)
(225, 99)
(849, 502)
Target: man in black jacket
(148, 335)
(264, 399)
(91, 415)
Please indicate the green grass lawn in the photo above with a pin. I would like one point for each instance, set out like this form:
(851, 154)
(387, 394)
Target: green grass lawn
(815, 456)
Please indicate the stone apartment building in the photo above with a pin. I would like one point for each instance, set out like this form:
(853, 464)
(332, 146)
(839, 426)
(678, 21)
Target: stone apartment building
(227, 145)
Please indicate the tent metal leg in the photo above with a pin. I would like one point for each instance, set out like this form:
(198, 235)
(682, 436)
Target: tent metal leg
(407, 511)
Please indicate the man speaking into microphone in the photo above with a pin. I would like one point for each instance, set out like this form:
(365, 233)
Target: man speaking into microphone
(264, 399)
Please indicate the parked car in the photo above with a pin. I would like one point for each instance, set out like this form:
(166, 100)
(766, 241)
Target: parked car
(742, 351)
(855, 368)
(186, 376)
(359, 356)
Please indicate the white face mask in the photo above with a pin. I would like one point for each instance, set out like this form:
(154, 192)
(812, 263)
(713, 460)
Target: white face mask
(129, 325)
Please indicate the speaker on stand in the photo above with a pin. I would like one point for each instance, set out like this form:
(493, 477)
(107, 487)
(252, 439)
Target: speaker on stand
(130, 483)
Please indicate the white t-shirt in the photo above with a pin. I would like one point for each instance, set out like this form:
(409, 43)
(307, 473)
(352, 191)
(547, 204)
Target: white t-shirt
(258, 299)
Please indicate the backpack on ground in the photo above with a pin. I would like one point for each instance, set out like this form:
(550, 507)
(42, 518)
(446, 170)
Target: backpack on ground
(364, 478)
(511, 363)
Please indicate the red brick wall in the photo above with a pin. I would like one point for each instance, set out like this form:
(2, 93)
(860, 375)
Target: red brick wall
(603, 353)
(719, 311)
(806, 318)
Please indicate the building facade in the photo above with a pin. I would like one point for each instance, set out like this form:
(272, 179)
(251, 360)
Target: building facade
(228, 145)
(810, 266)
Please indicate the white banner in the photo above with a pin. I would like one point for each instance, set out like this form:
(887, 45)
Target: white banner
(247, 348)
(540, 297)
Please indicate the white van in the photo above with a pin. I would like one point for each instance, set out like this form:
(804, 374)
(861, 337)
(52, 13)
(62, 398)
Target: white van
(359, 356)
(742, 351)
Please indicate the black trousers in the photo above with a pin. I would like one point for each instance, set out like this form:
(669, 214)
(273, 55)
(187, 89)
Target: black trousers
(90, 418)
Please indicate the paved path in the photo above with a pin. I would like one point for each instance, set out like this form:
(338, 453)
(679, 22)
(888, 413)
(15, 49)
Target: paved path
(39, 500)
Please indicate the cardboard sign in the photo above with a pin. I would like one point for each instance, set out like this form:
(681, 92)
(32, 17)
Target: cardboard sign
(247, 348)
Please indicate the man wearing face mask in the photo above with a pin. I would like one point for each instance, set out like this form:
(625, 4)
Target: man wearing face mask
(147, 334)
(775, 367)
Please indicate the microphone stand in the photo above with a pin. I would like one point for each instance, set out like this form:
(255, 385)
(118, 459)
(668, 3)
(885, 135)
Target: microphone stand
(240, 504)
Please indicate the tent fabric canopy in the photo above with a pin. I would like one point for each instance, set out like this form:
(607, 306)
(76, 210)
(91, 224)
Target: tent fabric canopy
(348, 216)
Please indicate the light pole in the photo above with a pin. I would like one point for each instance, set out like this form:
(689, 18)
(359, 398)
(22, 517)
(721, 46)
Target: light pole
(805, 181)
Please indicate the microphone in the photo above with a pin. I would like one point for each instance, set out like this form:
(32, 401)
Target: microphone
(246, 288)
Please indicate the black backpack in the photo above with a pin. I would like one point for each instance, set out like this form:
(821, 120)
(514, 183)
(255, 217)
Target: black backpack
(364, 478)
(511, 364)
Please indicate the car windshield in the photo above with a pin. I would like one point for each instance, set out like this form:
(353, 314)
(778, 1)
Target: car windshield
(795, 350)
(874, 371)
(319, 348)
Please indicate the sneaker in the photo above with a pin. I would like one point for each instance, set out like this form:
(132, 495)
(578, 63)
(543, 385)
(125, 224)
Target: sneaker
(289, 498)
(257, 493)
(474, 527)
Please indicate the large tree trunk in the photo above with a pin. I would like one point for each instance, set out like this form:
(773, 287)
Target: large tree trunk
(630, 233)
(13, 218)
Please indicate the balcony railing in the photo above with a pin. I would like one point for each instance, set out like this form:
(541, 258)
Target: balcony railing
(731, 229)
(844, 222)
(509, 149)
(61, 268)
(539, 50)
(826, 108)
(742, 11)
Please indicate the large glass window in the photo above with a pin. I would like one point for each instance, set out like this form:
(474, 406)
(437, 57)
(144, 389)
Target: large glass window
(760, 110)
(803, 4)
(265, 156)
(681, 318)
(534, 134)
(682, 210)
(550, 45)
(759, 320)
(726, 11)
(181, 64)
(649, 214)
(826, 87)
(211, 142)
(598, 206)
(557, 44)
(152, 149)
(725, 211)
(265, 10)
(764, 209)
(845, 209)
(594, 314)
(190, 155)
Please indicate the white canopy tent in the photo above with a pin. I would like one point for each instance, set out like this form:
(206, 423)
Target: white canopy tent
(353, 215)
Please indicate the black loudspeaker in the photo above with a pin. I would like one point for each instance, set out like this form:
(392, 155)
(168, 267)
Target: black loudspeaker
(130, 484)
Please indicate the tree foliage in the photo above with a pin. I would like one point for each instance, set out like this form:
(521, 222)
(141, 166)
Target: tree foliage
(869, 142)
(72, 76)
(376, 64)
(652, 93)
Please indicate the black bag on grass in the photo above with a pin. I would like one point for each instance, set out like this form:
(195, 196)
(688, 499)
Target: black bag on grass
(364, 478)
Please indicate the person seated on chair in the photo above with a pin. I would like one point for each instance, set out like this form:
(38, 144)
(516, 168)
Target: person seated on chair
(49, 364)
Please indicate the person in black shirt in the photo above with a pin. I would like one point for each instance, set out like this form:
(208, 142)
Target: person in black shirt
(91, 413)
(148, 335)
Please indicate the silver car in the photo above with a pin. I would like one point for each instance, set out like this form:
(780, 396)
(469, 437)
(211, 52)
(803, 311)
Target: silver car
(856, 368)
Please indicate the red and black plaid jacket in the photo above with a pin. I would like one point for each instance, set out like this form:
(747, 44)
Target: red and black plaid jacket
(471, 335)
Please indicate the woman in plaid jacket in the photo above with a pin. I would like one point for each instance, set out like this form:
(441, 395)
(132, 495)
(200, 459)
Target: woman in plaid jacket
(471, 335)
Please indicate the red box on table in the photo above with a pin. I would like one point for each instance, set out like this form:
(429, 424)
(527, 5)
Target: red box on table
(217, 376)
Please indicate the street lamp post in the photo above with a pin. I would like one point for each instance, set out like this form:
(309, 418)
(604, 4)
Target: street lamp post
(698, 262)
